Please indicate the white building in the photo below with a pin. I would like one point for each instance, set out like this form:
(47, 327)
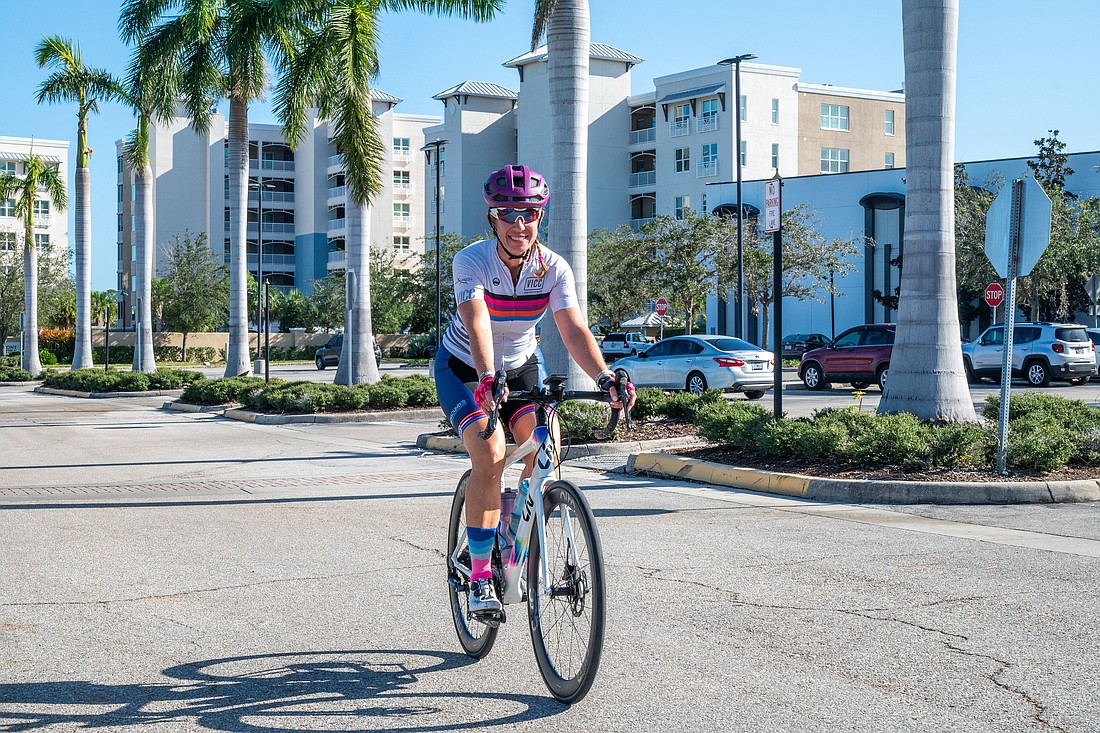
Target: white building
(867, 204)
(51, 227)
(300, 216)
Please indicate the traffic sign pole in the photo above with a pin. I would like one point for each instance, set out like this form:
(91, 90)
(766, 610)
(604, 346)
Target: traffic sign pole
(1009, 324)
(773, 222)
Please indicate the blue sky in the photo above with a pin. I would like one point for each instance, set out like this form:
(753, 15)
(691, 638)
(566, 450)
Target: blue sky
(1021, 71)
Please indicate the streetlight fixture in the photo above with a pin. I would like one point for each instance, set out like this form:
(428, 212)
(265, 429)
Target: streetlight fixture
(735, 62)
(259, 187)
(436, 145)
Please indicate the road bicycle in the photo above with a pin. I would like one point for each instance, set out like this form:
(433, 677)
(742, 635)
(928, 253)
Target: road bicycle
(554, 562)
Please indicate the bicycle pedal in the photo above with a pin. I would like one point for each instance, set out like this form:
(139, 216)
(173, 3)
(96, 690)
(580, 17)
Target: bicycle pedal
(492, 619)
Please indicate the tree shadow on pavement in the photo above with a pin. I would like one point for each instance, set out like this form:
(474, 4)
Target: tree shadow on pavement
(364, 690)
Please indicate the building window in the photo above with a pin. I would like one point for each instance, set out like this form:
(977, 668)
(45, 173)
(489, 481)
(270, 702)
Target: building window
(681, 120)
(401, 245)
(7, 207)
(42, 242)
(834, 160)
(401, 181)
(7, 166)
(889, 127)
(683, 160)
(708, 121)
(834, 117)
(683, 205)
(775, 156)
(401, 147)
(710, 154)
(889, 161)
(119, 222)
(704, 202)
(41, 209)
(682, 112)
(775, 111)
(8, 241)
(401, 212)
(120, 166)
(744, 153)
(744, 108)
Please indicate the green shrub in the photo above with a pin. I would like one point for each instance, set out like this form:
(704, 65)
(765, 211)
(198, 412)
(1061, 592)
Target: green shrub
(119, 354)
(221, 391)
(14, 374)
(421, 346)
(99, 380)
(581, 420)
(386, 395)
(649, 403)
(1035, 443)
(46, 357)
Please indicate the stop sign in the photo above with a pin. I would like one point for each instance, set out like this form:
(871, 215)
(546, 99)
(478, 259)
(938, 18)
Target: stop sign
(994, 295)
(662, 306)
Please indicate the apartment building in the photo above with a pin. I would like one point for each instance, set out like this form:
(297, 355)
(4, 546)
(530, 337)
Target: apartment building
(51, 227)
(297, 198)
(657, 152)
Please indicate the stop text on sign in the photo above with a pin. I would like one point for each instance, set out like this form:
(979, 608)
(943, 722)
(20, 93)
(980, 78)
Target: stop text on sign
(994, 295)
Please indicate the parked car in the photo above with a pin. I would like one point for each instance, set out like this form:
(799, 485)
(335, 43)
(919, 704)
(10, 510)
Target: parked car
(1094, 336)
(329, 354)
(698, 363)
(622, 343)
(797, 344)
(1040, 352)
(860, 356)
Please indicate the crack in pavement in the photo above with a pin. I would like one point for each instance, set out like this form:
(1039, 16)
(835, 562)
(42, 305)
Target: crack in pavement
(415, 546)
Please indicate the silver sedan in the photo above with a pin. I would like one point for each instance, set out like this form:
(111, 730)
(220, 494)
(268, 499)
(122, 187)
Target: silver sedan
(696, 363)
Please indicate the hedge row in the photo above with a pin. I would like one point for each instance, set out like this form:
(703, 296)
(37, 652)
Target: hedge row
(99, 380)
(279, 396)
(14, 374)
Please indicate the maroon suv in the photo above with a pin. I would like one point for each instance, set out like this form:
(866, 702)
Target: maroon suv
(860, 355)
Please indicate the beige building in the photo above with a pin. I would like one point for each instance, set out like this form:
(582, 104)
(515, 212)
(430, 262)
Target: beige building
(51, 227)
(842, 130)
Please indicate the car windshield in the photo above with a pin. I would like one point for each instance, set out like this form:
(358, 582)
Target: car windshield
(796, 337)
(732, 344)
(1070, 334)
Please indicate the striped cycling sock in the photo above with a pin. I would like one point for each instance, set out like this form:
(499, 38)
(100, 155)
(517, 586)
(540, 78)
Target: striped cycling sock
(480, 540)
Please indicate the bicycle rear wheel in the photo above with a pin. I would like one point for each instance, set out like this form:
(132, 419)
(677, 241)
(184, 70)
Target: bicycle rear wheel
(567, 620)
(475, 637)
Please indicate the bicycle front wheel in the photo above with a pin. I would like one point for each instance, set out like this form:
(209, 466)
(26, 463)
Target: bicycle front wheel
(567, 618)
(475, 637)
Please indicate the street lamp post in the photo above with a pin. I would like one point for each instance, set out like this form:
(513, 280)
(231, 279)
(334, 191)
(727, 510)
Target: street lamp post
(735, 62)
(436, 145)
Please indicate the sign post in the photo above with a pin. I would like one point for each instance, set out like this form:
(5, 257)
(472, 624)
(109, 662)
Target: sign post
(1092, 287)
(773, 216)
(994, 295)
(1016, 235)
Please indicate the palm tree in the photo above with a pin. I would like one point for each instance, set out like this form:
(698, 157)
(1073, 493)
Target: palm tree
(72, 81)
(567, 28)
(40, 176)
(926, 368)
(332, 68)
(220, 49)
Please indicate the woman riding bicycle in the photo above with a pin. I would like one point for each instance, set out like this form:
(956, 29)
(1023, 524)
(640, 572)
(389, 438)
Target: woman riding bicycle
(502, 289)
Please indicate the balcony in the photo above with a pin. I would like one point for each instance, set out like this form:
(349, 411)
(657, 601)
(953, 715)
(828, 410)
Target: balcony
(402, 156)
(337, 192)
(643, 178)
(402, 189)
(679, 128)
(706, 123)
(339, 258)
(42, 221)
(648, 135)
(335, 224)
(270, 261)
(278, 165)
(638, 223)
(336, 161)
(707, 169)
(279, 197)
(274, 227)
(402, 221)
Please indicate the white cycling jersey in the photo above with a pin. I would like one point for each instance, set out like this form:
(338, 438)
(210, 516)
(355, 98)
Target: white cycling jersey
(514, 310)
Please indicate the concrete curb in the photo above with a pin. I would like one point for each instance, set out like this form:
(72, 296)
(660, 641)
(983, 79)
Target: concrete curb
(260, 418)
(865, 491)
(21, 384)
(448, 444)
(177, 406)
(105, 395)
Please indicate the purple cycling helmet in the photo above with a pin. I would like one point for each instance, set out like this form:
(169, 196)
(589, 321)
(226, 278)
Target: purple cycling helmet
(516, 185)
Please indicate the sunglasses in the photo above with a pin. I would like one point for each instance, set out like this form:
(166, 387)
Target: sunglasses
(511, 215)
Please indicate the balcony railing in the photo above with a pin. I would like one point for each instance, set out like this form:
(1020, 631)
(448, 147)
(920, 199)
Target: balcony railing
(42, 221)
(340, 256)
(335, 160)
(334, 224)
(404, 221)
(337, 191)
(706, 123)
(278, 165)
(403, 189)
(402, 155)
(270, 260)
(643, 178)
(708, 169)
(279, 227)
(279, 197)
(647, 135)
(679, 128)
(637, 223)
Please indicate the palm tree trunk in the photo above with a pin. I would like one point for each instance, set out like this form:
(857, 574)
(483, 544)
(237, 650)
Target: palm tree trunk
(568, 42)
(82, 354)
(31, 361)
(926, 375)
(357, 363)
(236, 355)
(144, 360)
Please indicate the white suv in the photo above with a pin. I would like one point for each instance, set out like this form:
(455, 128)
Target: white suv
(1040, 352)
(624, 343)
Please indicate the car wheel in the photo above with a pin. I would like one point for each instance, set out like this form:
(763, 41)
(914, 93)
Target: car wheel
(1078, 381)
(860, 385)
(696, 383)
(754, 394)
(1037, 373)
(880, 377)
(320, 361)
(971, 377)
(813, 378)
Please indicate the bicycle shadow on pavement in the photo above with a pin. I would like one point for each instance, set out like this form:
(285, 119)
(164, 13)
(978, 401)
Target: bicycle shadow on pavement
(363, 690)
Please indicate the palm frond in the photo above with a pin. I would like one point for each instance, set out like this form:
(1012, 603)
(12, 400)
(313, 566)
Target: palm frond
(479, 10)
(543, 10)
(57, 87)
(58, 52)
(138, 17)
